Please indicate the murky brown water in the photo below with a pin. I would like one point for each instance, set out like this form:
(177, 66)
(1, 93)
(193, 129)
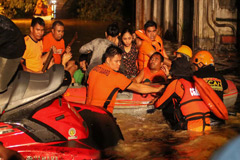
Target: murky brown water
(149, 136)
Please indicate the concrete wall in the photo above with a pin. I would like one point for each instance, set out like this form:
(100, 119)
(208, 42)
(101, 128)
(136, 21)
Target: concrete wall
(211, 23)
(211, 20)
(161, 11)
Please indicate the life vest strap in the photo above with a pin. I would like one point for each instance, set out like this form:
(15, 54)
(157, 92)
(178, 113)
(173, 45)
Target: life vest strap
(107, 102)
(183, 120)
(193, 100)
(197, 113)
(203, 117)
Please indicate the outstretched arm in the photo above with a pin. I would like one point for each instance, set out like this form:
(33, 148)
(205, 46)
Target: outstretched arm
(142, 88)
(87, 48)
(139, 77)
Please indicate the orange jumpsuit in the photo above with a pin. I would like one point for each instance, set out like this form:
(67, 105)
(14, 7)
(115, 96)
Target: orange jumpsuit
(103, 86)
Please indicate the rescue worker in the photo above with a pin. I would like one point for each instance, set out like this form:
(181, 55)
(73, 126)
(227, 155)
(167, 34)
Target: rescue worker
(151, 43)
(104, 81)
(184, 51)
(39, 8)
(181, 102)
(204, 68)
(155, 73)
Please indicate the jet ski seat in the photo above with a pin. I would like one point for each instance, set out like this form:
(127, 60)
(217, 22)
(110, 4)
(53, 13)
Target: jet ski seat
(30, 86)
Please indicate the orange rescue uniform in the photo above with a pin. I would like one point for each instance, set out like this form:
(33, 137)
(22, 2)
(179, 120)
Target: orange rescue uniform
(103, 86)
(38, 8)
(159, 76)
(189, 109)
(148, 46)
(49, 41)
(33, 54)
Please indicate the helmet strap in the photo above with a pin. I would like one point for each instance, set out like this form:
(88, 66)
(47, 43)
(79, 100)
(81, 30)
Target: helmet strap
(197, 65)
(183, 55)
(201, 65)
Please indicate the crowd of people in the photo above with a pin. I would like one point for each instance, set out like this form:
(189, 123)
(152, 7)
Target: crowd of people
(124, 60)
(130, 60)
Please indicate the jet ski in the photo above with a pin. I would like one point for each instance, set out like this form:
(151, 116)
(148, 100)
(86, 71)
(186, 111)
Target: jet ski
(39, 123)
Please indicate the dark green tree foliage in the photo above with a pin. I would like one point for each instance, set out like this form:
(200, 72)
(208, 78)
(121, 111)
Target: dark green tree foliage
(19, 8)
(104, 10)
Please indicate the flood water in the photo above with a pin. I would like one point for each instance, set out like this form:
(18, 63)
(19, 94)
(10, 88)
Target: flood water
(149, 136)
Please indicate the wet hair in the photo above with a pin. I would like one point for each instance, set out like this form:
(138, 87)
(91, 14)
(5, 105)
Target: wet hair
(157, 53)
(113, 30)
(150, 23)
(111, 51)
(36, 21)
(57, 23)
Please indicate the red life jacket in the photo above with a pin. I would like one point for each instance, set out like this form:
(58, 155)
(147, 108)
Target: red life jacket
(192, 113)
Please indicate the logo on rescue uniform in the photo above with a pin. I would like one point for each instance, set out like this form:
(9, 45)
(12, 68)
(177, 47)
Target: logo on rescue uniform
(72, 133)
(194, 92)
(59, 51)
(42, 158)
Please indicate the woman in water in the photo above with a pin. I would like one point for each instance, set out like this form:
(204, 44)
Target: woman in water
(128, 66)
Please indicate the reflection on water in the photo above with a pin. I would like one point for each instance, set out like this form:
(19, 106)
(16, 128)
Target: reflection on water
(149, 136)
